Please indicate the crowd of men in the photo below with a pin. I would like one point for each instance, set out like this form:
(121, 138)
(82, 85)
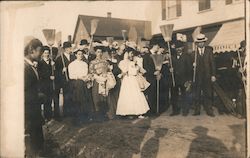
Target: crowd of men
(90, 81)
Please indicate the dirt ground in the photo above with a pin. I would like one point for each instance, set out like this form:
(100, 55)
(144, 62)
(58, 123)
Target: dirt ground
(156, 137)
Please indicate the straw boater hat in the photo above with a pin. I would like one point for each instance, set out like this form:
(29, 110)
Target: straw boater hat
(200, 38)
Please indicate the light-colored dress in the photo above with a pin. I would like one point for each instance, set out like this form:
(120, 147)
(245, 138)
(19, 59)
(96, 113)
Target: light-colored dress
(131, 99)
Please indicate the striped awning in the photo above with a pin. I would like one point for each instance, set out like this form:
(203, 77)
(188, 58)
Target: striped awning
(229, 36)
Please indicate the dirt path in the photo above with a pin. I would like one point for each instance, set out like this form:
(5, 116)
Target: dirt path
(161, 137)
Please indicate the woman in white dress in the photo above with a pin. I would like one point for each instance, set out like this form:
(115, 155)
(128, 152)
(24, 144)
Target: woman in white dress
(131, 97)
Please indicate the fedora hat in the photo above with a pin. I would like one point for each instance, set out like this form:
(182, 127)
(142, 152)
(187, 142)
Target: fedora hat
(200, 38)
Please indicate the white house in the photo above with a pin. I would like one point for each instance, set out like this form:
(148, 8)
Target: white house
(222, 21)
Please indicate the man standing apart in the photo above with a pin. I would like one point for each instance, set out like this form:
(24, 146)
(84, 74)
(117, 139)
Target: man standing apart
(205, 75)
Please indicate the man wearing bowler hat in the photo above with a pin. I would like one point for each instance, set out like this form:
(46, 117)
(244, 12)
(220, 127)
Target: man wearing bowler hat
(62, 78)
(182, 68)
(205, 75)
(84, 46)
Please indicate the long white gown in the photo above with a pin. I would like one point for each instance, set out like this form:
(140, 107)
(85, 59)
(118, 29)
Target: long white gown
(131, 99)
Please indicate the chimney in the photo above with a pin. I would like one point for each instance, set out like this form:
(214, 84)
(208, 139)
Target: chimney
(109, 14)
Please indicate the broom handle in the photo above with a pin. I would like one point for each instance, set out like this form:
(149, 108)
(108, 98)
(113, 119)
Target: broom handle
(90, 44)
(158, 88)
(241, 67)
(195, 61)
(64, 66)
(52, 68)
(171, 64)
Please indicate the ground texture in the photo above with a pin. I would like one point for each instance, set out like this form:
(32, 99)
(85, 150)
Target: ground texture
(155, 137)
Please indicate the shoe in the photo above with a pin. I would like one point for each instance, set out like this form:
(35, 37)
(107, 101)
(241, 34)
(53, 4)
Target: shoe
(196, 113)
(210, 113)
(141, 117)
(185, 114)
(174, 114)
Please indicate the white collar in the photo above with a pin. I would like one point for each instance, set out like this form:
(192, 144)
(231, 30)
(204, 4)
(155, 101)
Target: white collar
(28, 61)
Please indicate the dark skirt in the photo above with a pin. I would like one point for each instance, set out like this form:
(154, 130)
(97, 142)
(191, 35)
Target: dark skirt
(100, 101)
(81, 97)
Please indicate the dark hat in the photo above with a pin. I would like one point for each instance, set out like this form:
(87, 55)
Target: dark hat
(54, 51)
(79, 50)
(84, 42)
(66, 45)
(46, 48)
(179, 44)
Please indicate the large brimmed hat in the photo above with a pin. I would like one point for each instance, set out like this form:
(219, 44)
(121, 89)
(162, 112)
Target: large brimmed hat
(200, 38)
(97, 44)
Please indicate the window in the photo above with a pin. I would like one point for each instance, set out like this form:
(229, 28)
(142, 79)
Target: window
(173, 8)
(204, 4)
(163, 11)
(229, 2)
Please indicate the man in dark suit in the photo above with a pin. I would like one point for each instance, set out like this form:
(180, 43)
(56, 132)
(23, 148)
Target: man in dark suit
(182, 68)
(87, 56)
(148, 65)
(62, 78)
(33, 118)
(46, 80)
(205, 75)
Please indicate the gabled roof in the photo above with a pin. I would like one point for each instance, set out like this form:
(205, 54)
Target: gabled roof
(111, 27)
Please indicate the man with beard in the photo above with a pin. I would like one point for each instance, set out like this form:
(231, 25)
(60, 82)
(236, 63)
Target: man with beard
(182, 68)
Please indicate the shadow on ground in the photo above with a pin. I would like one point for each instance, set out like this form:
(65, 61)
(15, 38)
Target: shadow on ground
(204, 146)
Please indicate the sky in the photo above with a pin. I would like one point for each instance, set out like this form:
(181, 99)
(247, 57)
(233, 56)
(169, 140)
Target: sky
(62, 15)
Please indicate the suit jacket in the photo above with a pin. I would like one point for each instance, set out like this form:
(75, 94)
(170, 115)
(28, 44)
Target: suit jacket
(45, 71)
(149, 66)
(90, 58)
(31, 98)
(205, 64)
(60, 76)
(182, 68)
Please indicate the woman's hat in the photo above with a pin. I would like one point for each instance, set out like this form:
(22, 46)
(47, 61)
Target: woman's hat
(83, 42)
(200, 38)
(98, 45)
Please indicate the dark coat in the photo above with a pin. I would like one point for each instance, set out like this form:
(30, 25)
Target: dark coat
(33, 117)
(149, 66)
(60, 76)
(205, 65)
(45, 71)
(90, 58)
(182, 68)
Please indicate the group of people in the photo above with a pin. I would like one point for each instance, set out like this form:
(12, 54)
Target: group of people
(114, 80)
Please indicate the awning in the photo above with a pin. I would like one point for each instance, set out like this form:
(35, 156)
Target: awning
(229, 36)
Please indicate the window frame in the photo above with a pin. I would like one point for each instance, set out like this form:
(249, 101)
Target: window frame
(200, 9)
(177, 7)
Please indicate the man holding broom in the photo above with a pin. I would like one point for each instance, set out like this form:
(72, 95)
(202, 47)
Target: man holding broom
(204, 75)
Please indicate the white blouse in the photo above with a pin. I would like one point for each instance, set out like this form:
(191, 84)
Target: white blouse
(78, 69)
